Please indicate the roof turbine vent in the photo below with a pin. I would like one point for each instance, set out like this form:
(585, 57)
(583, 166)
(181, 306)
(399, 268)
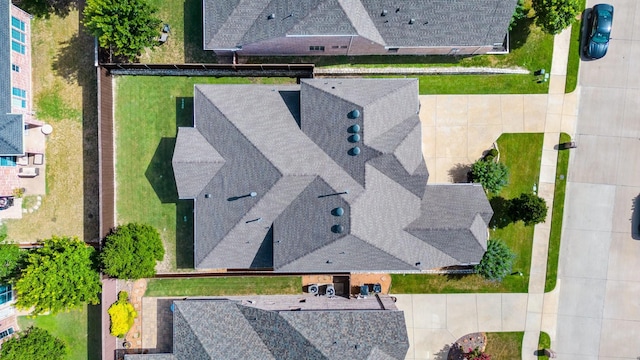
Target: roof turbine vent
(337, 211)
(337, 229)
(354, 151)
(354, 138)
(354, 129)
(354, 114)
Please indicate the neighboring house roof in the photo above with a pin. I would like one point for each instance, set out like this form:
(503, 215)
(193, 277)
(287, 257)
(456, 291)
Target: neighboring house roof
(229, 24)
(223, 329)
(316, 204)
(11, 125)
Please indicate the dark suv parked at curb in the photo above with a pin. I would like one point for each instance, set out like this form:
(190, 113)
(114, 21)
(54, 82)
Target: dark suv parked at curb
(599, 23)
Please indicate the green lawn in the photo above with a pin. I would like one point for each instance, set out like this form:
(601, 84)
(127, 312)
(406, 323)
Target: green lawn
(522, 154)
(562, 168)
(544, 342)
(72, 328)
(145, 136)
(504, 345)
(573, 64)
(218, 286)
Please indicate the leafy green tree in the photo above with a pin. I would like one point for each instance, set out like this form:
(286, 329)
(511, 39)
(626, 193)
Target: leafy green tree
(497, 262)
(33, 344)
(58, 276)
(492, 175)
(10, 257)
(130, 251)
(125, 27)
(553, 16)
(529, 208)
(520, 13)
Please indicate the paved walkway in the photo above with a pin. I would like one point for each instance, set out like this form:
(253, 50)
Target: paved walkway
(456, 131)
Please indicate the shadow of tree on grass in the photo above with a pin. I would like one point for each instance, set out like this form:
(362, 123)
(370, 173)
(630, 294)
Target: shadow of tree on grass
(44, 8)
(501, 209)
(519, 33)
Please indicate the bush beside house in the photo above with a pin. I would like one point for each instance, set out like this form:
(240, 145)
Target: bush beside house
(122, 315)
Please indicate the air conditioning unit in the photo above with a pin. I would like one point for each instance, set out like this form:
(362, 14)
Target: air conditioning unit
(313, 289)
(331, 291)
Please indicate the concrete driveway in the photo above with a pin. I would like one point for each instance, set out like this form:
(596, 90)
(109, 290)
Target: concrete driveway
(435, 321)
(456, 129)
(599, 274)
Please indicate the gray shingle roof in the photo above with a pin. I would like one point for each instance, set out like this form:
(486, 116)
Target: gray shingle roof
(11, 125)
(223, 329)
(228, 24)
(291, 147)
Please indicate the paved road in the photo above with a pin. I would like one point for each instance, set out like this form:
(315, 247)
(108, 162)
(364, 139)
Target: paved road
(599, 304)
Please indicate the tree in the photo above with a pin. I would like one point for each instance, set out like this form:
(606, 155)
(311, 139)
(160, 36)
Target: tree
(33, 344)
(58, 276)
(130, 251)
(125, 27)
(497, 262)
(492, 175)
(529, 208)
(10, 257)
(520, 13)
(553, 16)
(122, 315)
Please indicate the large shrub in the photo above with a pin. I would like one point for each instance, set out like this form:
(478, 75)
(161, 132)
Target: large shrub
(33, 344)
(492, 175)
(497, 262)
(553, 16)
(529, 208)
(122, 315)
(130, 251)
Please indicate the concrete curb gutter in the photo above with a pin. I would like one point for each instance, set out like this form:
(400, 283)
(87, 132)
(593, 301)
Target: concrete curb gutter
(454, 70)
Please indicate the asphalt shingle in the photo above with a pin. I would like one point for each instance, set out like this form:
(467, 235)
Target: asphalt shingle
(289, 166)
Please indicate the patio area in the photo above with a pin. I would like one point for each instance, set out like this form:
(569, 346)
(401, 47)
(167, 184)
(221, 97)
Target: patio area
(25, 175)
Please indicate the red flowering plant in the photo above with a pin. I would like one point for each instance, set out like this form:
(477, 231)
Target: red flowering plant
(476, 354)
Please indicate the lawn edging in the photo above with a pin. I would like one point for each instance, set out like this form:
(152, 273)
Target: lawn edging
(557, 215)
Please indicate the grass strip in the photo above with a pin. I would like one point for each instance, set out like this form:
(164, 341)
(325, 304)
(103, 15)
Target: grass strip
(573, 64)
(218, 286)
(504, 345)
(555, 234)
(544, 342)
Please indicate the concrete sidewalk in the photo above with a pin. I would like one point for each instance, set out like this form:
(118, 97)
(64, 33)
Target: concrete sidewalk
(456, 129)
